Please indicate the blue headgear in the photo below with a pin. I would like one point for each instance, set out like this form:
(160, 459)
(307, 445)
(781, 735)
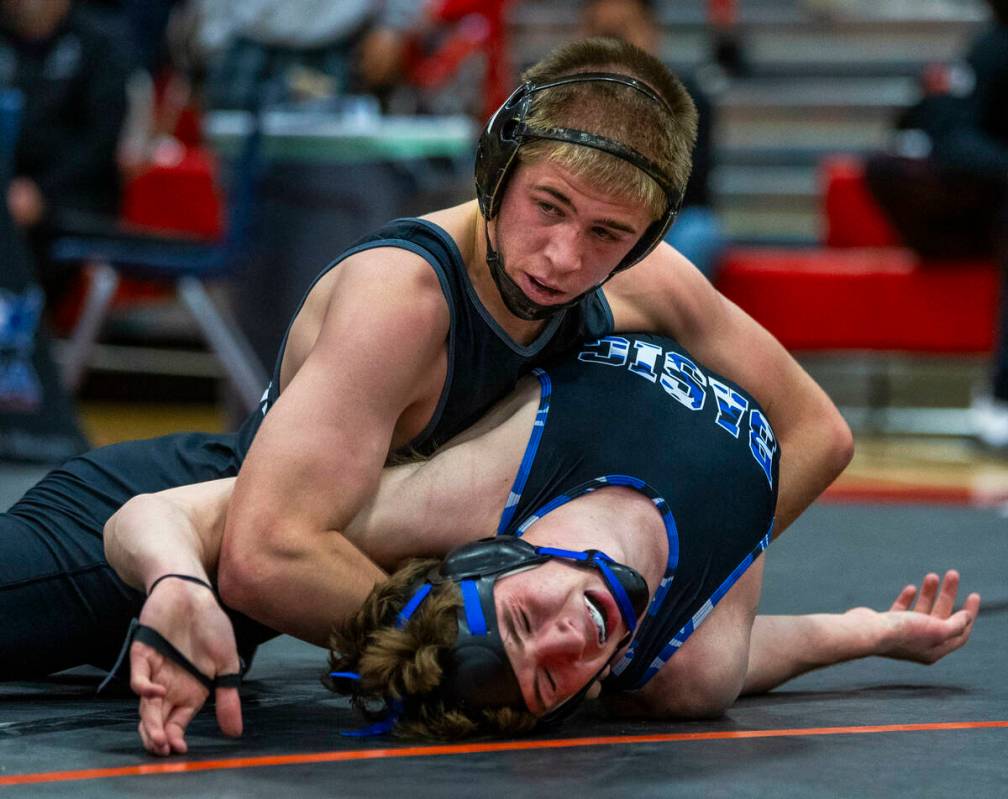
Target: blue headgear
(478, 673)
(499, 143)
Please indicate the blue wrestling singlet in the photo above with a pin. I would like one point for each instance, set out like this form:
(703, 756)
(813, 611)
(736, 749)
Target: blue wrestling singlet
(635, 410)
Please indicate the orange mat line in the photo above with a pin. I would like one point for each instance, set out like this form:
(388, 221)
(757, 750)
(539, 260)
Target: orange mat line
(950, 495)
(190, 766)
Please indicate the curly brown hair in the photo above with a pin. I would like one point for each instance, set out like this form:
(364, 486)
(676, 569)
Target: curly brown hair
(407, 666)
(615, 112)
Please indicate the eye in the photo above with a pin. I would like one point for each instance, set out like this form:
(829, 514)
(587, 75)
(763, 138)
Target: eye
(548, 691)
(603, 233)
(525, 623)
(548, 209)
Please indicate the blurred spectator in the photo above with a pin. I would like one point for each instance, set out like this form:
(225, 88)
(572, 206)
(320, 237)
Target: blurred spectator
(72, 72)
(146, 22)
(697, 233)
(728, 51)
(945, 189)
(456, 60)
(301, 49)
(36, 417)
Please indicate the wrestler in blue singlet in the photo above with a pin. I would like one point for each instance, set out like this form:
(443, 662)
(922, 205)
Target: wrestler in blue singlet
(636, 410)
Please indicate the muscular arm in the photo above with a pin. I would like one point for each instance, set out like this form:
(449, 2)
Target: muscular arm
(419, 509)
(319, 453)
(666, 294)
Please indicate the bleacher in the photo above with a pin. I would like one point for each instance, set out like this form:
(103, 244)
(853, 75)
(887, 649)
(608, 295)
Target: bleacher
(899, 344)
(818, 274)
(816, 86)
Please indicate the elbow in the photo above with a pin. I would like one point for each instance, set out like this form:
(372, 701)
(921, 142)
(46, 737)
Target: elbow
(841, 446)
(697, 708)
(133, 514)
(692, 701)
(244, 570)
(236, 581)
(258, 561)
(704, 695)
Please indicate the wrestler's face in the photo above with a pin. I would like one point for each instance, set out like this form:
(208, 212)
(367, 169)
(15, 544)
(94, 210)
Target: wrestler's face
(560, 626)
(559, 237)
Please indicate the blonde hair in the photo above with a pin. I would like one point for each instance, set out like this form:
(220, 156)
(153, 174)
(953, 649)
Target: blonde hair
(407, 666)
(618, 112)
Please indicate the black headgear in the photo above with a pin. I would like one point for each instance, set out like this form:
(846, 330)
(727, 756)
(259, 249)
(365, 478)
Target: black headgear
(478, 673)
(504, 135)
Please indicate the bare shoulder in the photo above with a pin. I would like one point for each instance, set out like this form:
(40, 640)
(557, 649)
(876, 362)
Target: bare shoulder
(402, 275)
(459, 222)
(364, 294)
(664, 293)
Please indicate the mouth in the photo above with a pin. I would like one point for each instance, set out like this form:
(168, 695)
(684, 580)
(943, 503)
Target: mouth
(597, 615)
(539, 291)
(605, 604)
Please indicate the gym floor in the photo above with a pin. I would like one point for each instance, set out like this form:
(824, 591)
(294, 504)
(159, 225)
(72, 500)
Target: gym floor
(871, 728)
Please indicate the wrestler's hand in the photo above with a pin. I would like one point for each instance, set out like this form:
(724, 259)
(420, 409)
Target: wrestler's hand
(930, 630)
(189, 617)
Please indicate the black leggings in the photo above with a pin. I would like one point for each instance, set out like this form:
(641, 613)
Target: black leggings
(61, 604)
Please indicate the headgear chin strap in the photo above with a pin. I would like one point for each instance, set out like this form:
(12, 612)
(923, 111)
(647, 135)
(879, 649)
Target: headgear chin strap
(514, 298)
(498, 148)
(478, 673)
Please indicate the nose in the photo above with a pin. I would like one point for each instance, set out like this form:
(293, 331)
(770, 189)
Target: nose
(563, 249)
(561, 641)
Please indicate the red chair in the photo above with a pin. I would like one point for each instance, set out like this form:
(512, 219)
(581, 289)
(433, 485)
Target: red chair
(183, 195)
(851, 215)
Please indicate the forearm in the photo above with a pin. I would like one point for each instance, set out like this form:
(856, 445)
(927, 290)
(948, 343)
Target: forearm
(301, 591)
(149, 537)
(783, 647)
(284, 563)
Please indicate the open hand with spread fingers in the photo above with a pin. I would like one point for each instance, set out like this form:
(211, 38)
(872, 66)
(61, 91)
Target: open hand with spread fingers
(930, 628)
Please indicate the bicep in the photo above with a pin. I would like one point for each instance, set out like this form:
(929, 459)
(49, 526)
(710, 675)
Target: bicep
(320, 449)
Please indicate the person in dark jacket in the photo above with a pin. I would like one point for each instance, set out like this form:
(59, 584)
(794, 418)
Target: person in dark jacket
(946, 191)
(72, 71)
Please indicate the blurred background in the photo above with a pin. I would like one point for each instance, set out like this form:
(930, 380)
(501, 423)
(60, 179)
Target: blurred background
(176, 172)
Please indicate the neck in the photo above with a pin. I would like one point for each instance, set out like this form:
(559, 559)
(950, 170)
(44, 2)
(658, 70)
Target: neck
(621, 522)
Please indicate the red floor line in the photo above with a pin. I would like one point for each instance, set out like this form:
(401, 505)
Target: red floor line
(191, 766)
